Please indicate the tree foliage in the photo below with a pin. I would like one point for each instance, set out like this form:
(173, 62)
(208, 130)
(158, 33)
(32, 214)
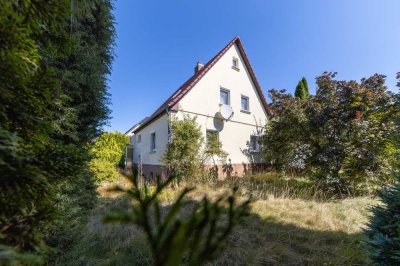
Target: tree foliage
(86, 63)
(44, 133)
(344, 136)
(175, 236)
(187, 155)
(302, 91)
(384, 228)
(27, 88)
(182, 155)
(108, 152)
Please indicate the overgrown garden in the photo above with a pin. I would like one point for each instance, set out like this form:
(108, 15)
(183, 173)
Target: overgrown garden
(339, 143)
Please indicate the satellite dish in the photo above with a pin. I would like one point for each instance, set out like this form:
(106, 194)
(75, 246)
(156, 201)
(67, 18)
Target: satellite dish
(225, 112)
(218, 123)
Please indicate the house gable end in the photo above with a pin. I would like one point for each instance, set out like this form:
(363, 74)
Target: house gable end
(192, 81)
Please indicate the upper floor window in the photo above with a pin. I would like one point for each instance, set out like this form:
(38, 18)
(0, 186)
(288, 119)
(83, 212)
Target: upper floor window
(224, 96)
(245, 103)
(153, 142)
(235, 63)
(139, 138)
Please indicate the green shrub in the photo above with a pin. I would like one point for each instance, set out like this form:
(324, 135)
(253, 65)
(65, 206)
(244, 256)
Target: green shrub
(187, 155)
(182, 155)
(384, 228)
(108, 153)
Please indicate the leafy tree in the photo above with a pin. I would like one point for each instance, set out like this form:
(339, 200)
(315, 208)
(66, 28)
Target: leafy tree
(302, 91)
(108, 153)
(284, 139)
(344, 136)
(177, 236)
(182, 155)
(353, 132)
(384, 228)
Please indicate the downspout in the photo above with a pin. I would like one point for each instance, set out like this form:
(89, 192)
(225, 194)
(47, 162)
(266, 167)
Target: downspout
(167, 110)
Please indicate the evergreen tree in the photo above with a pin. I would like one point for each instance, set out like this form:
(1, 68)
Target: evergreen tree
(83, 69)
(305, 85)
(27, 88)
(301, 91)
(54, 63)
(384, 228)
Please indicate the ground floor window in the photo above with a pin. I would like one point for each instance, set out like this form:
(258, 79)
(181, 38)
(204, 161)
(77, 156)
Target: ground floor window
(212, 138)
(153, 142)
(254, 147)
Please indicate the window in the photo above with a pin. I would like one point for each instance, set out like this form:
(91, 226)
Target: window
(153, 142)
(224, 96)
(212, 138)
(245, 103)
(254, 143)
(169, 134)
(235, 63)
(139, 138)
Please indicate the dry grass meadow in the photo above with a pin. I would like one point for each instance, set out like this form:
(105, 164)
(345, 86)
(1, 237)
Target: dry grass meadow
(283, 228)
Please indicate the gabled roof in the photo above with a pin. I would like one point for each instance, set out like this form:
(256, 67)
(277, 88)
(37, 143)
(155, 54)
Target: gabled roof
(192, 81)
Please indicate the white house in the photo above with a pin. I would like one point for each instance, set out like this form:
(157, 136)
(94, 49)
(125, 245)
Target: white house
(227, 100)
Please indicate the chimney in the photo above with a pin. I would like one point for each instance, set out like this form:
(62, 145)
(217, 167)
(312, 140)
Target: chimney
(198, 66)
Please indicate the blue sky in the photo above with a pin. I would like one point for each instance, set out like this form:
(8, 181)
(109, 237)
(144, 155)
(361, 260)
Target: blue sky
(159, 42)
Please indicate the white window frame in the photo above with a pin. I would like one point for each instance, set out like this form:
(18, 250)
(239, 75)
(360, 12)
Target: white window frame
(153, 141)
(248, 103)
(228, 93)
(251, 147)
(235, 60)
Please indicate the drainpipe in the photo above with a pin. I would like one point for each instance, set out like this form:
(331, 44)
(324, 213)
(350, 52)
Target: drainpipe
(169, 123)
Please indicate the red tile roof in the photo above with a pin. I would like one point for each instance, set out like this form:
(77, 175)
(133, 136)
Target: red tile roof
(192, 81)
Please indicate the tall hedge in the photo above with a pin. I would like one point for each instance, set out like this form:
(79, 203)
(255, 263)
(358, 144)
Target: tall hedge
(54, 62)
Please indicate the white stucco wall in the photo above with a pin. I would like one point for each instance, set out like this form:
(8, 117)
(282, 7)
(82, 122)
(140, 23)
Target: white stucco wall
(203, 100)
(160, 127)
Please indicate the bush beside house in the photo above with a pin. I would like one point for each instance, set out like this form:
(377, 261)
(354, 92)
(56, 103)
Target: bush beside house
(108, 153)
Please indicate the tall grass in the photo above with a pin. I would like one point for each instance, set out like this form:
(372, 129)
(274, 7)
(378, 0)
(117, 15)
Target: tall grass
(278, 185)
(290, 223)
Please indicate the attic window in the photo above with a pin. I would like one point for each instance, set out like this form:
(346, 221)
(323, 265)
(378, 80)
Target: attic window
(235, 63)
(245, 103)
